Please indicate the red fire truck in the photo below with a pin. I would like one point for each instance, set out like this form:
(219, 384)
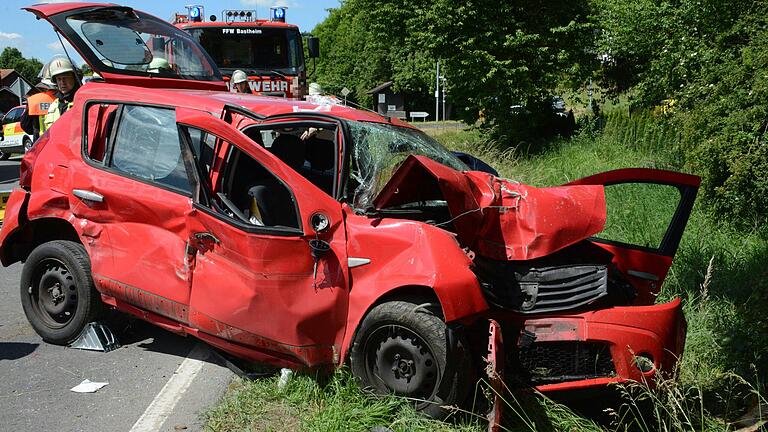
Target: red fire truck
(270, 51)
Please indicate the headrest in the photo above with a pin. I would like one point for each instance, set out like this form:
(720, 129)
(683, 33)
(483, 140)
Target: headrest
(321, 153)
(290, 149)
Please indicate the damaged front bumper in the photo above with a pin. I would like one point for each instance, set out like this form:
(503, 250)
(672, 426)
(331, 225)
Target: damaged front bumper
(585, 350)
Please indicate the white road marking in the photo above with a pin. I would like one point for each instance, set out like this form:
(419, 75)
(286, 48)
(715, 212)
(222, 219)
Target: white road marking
(162, 405)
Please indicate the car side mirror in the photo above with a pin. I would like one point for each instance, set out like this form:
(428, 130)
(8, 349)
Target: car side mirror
(313, 47)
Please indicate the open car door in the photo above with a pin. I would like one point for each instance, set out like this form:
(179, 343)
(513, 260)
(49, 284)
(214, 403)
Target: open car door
(268, 249)
(126, 46)
(647, 211)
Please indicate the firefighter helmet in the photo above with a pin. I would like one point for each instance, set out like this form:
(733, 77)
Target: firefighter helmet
(239, 76)
(157, 64)
(60, 65)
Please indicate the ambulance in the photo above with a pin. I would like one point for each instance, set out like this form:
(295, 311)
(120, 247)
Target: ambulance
(14, 139)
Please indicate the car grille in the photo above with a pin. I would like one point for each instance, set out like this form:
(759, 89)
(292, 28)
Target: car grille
(543, 289)
(554, 362)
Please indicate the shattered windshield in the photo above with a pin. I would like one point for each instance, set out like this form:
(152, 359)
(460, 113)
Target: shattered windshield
(379, 149)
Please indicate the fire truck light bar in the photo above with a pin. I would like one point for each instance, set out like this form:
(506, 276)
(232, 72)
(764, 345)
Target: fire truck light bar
(238, 15)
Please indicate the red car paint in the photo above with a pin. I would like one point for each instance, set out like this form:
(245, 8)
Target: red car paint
(167, 258)
(498, 218)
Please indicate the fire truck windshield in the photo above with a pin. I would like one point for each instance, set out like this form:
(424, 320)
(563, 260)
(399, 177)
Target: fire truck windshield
(256, 50)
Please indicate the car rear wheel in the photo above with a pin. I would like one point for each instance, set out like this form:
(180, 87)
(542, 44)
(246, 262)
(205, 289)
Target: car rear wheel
(27, 144)
(57, 292)
(402, 348)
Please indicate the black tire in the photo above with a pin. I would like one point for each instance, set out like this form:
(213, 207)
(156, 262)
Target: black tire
(4, 155)
(402, 348)
(27, 144)
(57, 291)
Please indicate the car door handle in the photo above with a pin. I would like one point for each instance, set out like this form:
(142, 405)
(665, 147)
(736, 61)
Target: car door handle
(87, 195)
(643, 275)
(202, 236)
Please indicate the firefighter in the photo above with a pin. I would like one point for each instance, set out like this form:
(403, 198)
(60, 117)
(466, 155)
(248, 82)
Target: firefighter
(240, 82)
(37, 108)
(63, 74)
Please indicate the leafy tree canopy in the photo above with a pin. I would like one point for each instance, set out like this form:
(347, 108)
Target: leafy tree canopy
(11, 58)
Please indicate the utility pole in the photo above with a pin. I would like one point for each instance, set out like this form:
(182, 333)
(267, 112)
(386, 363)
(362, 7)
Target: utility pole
(444, 86)
(437, 92)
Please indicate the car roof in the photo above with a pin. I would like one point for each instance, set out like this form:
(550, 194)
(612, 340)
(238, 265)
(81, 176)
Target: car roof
(214, 102)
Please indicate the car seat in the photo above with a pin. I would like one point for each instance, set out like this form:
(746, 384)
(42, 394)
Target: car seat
(275, 203)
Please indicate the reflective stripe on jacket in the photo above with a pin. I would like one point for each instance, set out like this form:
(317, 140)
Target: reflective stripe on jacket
(53, 114)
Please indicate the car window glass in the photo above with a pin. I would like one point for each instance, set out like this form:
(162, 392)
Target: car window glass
(246, 192)
(203, 145)
(13, 116)
(100, 121)
(639, 213)
(147, 146)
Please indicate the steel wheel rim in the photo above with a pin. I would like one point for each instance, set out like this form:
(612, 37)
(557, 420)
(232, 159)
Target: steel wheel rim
(53, 293)
(399, 360)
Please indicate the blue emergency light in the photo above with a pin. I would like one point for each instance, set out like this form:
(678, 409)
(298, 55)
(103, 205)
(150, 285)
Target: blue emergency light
(195, 13)
(278, 14)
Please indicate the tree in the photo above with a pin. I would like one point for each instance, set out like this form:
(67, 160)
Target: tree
(710, 57)
(366, 43)
(11, 58)
(499, 55)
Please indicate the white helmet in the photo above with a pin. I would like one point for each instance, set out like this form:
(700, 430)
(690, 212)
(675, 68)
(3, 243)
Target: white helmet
(239, 76)
(157, 64)
(60, 65)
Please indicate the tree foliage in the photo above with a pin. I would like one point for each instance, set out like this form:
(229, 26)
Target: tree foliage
(11, 58)
(495, 54)
(503, 54)
(366, 43)
(711, 57)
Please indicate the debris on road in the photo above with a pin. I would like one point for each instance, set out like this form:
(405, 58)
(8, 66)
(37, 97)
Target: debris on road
(88, 386)
(96, 337)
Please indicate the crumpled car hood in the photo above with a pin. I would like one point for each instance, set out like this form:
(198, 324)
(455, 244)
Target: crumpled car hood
(498, 218)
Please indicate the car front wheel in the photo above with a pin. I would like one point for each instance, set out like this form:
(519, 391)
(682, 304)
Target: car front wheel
(4, 155)
(57, 292)
(402, 348)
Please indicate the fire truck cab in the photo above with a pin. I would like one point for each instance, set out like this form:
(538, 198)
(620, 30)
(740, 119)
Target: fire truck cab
(269, 51)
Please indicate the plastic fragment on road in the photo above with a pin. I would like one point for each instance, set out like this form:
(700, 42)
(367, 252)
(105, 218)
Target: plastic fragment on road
(96, 337)
(285, 376)
(88, 386)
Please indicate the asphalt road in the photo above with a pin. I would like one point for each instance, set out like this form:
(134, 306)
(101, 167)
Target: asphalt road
(157, 380)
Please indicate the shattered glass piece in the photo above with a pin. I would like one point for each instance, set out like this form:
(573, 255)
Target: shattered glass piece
(96, 337)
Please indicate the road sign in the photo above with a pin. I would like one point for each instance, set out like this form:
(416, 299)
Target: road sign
(345, 92)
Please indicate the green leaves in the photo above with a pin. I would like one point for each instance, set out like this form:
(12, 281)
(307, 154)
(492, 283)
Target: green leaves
(11, 58)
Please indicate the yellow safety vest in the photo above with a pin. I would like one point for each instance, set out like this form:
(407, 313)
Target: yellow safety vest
(53, 114)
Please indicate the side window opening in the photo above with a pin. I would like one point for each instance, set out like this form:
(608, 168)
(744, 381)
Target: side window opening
(100, 125)
(647, 205)
(308, 150)
(147, 146)
(246, 191)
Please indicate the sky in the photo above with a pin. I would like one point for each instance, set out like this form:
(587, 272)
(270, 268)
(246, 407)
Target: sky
(35, 38)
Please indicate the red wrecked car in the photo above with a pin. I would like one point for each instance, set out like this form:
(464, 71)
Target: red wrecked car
(311, 236)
